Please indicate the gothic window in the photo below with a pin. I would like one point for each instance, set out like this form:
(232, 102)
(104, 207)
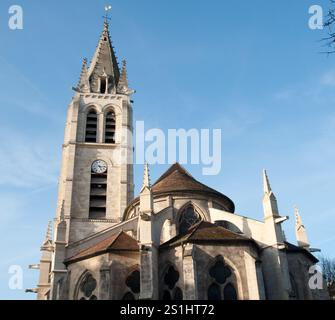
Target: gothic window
(110, 125)
(220, 272)
(188, 218)
(133, 283)
(87, 288)
(171, 291)
(222, 278)
(91, 127)
(98, 192)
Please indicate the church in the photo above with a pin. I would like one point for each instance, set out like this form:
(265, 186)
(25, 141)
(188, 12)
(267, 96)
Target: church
(178, 240)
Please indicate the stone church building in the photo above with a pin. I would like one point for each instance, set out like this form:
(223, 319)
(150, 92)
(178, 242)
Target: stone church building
(178, 240)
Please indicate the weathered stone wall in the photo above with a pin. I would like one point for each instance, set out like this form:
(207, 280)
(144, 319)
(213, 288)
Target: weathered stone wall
(110, 270)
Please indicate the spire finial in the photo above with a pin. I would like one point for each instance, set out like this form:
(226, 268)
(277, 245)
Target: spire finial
(48, 236)
(83, 84)
(300, 231)
(146, 177)
(107, 17)
(266, 183)
(298, 217)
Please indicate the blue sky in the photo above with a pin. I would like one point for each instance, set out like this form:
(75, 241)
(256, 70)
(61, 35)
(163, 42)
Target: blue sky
(251, 68)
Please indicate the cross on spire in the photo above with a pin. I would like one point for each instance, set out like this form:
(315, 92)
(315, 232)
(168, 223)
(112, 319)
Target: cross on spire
(107, 17)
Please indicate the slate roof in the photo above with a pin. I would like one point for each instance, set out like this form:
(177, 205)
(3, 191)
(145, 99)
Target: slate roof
(118, 242)
(289, 247)
(206, 232)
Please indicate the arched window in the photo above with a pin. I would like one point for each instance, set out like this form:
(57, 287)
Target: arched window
(103, 85)
(222, 278)
(188, 218)
(133, 282)
(87, 288)
(171, 291)
(91, 127)
(98, 192)
(110, 126)
(220, 272)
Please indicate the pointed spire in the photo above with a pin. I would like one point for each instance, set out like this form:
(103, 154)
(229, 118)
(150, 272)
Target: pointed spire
(123, 82)
(47, 243)
(83, 84)
(104, 59)
(266, 183)
(298, 219)
(146, 177)
(146, 196)
(300, 231)
(269, 199)
(48, 235)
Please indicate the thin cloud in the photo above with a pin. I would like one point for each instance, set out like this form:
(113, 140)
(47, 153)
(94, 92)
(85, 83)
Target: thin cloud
(20, 93)
(27, 162)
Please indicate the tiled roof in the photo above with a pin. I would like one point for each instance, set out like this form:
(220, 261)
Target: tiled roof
(178, 179)
(205, 232)
(117, 242)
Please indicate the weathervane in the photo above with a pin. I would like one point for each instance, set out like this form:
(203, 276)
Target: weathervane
(107, 17)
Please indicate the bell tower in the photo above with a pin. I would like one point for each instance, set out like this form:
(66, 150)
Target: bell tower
(96, 180)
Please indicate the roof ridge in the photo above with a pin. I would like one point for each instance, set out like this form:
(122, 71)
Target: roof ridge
(175, 167)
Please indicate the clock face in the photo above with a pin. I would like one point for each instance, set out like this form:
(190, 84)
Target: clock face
(99, 166)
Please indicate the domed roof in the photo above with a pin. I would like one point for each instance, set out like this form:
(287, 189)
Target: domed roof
(178, 179)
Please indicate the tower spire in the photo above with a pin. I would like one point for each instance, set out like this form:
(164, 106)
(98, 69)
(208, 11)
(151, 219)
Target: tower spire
(146, 177)
(300, 231)
(266, 183)
(104, 72)
(269, 200)
(48, 235)
(123, 82)
(47, 243)
(83, 84)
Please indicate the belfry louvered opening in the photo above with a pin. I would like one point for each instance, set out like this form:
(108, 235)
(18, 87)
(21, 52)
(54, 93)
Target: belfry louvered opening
(110, 127)
(91, 127)
(98, 196)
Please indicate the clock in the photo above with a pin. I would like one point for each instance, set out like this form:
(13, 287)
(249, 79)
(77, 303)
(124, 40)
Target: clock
(99, 167)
